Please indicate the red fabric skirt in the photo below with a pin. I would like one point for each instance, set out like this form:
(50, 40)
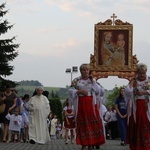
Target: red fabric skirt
(138, 134)
(69, 123)
(89, 128)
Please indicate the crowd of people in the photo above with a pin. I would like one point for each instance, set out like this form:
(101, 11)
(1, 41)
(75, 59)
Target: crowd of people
(85, 117)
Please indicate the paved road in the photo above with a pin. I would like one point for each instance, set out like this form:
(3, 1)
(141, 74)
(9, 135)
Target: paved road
(60, 145)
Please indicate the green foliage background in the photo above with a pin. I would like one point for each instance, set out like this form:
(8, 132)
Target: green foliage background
(112, 95)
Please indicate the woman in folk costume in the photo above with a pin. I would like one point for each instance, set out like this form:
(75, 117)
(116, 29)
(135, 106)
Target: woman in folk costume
(137, 97)
(102, 109)
(39, 110)
(89, 128)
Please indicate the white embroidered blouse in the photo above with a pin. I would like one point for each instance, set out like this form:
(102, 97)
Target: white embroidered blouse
(80, 84)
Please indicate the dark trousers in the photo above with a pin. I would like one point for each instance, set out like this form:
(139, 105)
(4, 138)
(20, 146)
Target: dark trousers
(114, 129)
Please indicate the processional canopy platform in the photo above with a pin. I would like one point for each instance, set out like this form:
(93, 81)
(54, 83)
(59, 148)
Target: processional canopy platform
(113, 42)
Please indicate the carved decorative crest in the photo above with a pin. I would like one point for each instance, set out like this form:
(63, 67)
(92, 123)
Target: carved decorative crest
(113, 50)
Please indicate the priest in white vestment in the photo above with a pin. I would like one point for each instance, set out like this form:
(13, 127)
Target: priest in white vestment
(39, 109)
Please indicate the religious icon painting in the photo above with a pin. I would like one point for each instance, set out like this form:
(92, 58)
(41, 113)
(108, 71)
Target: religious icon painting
(113, 45)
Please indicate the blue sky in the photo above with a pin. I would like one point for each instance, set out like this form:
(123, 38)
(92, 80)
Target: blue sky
(58, 34)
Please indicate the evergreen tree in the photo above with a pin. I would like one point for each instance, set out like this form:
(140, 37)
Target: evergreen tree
(52, 95)
(7, 48)
(56, 95)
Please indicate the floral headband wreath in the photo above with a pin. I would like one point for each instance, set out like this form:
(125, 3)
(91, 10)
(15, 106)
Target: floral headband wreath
(141, 66)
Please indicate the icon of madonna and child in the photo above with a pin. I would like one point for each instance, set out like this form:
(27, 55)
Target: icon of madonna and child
(113, 52)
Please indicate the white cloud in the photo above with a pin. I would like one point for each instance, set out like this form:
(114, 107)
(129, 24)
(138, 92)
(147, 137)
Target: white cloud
(63, 4)
(67, 6)
(96, 7)
(61, 49)
(23, 6)
(52, 29)
(57, 49)
(66, 45)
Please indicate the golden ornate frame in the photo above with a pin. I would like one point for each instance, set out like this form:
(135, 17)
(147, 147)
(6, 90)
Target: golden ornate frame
(101, 70)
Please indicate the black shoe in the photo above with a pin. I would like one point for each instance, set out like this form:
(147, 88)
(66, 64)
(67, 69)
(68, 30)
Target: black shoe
(122, 143)
(32, 142)
(97, 147)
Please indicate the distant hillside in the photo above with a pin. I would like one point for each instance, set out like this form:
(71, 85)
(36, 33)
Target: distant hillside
(28, 87)
(30, 83)
(62, 92)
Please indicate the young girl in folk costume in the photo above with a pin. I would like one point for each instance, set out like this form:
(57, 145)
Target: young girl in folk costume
(89, 127)
(69, 120)
(15, 125)
(137, 95)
